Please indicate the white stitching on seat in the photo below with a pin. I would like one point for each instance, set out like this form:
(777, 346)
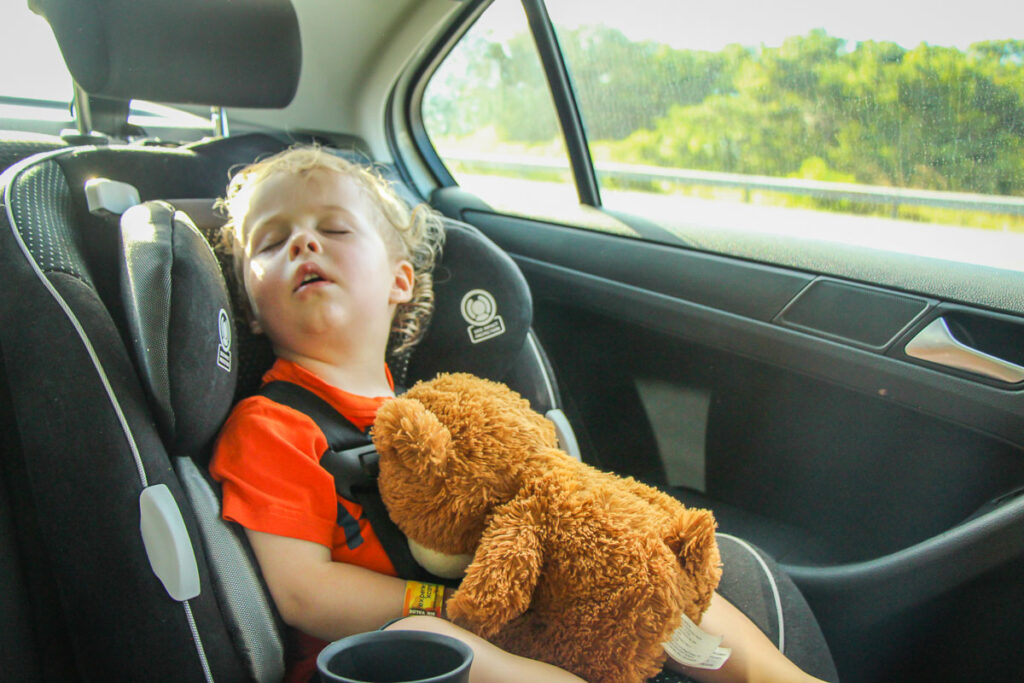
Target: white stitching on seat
(198, 641)
(771, 582)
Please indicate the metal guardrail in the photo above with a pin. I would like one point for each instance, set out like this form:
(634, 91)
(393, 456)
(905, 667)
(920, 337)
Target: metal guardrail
(874, 194)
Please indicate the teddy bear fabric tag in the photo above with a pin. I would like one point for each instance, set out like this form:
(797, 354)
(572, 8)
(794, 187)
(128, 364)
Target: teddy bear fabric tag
(692, 646)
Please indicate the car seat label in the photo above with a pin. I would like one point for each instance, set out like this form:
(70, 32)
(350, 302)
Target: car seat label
(480, 310)
(224, 346)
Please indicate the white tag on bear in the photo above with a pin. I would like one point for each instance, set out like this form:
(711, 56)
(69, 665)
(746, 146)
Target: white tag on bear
(691, 646)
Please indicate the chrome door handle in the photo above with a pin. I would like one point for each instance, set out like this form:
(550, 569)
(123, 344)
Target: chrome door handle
(936, 344)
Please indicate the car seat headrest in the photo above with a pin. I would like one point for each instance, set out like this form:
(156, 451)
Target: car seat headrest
(186, 51)
(482, 310)
(180, 323)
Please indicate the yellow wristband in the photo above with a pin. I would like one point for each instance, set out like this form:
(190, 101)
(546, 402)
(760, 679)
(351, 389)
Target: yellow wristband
(423, 598)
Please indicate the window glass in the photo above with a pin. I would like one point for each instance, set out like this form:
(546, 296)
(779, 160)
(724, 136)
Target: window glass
(489, 114)
(882, 123)
(36, 89)
(33, 66)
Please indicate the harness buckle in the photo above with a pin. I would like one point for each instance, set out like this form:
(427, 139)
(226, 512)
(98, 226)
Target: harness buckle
(352, 467)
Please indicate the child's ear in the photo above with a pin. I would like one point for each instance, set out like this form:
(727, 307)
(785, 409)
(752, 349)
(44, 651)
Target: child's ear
(405, 278)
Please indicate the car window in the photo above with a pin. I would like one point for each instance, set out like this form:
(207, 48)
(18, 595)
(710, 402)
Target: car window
(35, 86)
(881, 125)
(36, 89)
(489, 113)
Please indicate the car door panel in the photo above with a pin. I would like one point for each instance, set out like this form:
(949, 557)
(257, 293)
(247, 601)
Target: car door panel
(883, 483)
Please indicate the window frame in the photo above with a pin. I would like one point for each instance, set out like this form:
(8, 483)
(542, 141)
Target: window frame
(567, 107)
(557, 79)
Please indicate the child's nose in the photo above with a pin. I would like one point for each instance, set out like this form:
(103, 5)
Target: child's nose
(304, 241)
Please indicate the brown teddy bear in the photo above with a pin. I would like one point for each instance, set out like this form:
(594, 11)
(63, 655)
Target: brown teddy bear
(570, 565)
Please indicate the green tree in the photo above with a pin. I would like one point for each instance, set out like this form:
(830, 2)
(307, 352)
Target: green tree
(931, 117)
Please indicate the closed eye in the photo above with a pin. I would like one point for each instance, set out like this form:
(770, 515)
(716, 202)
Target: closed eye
(334, 222)
(270, 246)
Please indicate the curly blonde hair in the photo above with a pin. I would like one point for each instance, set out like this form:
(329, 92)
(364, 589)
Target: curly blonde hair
(417, 234)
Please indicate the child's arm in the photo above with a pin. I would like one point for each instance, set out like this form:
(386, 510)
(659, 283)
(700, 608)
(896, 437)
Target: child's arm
(331, 600)
(326, 599)
(491, 664)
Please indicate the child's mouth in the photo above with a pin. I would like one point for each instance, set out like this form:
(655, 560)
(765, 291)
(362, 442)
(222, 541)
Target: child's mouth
(309, 279)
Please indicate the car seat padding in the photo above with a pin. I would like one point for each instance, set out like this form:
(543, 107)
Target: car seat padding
(483, 310)
(180, 323)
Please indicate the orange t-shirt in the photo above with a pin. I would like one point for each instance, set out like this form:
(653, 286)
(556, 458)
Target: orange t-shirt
(267, 460)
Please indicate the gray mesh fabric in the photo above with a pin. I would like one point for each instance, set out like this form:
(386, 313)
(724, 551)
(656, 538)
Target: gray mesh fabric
(41, 204)
(238, 586)
(145, 287)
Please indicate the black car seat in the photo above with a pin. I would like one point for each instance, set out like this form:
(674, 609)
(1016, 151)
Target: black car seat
(15, 621)
(81, 443)
(122, 567)
(149, 308)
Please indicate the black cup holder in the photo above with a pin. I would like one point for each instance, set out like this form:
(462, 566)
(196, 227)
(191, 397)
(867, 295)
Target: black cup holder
(395, 657)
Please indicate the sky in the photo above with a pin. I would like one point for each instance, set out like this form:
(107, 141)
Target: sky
(26, 40)
(29, 53)
(712, 24)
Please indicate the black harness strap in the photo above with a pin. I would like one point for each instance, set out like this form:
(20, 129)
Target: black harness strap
(350, 457)
(352, 460)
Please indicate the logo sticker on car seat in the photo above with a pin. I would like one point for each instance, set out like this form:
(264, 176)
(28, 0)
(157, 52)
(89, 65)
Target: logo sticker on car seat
(224, 347)
(480, 310)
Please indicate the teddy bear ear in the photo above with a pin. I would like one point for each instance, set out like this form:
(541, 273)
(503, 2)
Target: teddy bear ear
(405, 429)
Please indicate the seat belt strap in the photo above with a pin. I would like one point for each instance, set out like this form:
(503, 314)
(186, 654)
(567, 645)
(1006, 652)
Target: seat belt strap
(350, 456)
(352, 460)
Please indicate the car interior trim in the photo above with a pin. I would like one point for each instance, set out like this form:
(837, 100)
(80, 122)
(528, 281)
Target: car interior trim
(961, 401)
(405, 101)
(708, 279)
(950, 558)
(853, 313)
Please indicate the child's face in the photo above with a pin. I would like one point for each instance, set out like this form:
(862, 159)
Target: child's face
(315, 263)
